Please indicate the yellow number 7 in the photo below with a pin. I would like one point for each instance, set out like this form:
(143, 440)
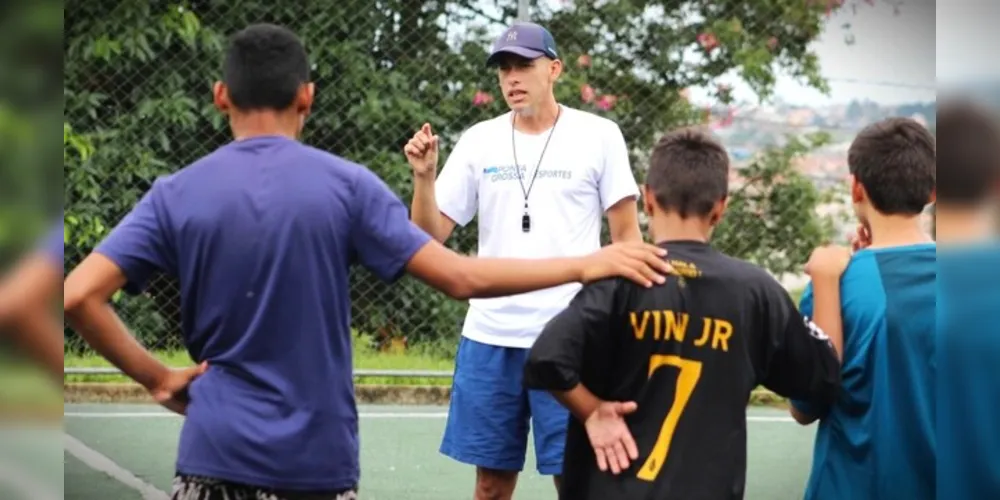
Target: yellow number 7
(686, 381)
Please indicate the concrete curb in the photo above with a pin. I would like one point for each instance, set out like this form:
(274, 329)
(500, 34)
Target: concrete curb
(96, 392)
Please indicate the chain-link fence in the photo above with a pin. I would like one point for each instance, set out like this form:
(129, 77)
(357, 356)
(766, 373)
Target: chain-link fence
(138, 78)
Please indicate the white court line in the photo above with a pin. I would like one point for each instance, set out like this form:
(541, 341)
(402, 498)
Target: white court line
(104, 464)
(386, 415)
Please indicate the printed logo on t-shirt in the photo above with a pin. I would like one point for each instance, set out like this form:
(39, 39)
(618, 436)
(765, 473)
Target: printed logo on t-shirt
(503, 173)
(815, 330)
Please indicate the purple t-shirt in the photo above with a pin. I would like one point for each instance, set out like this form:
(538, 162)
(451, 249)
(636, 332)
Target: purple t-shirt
(51, 246)
(261, 234)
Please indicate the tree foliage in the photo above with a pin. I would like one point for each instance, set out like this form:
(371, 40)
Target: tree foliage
(138, 77)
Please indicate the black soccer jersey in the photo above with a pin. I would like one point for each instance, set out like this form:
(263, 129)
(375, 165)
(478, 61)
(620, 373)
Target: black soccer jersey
(689, 353)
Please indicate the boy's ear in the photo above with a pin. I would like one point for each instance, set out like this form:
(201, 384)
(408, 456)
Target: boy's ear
(220, 97)
(719, 210)
(858, 194)
(647, 200)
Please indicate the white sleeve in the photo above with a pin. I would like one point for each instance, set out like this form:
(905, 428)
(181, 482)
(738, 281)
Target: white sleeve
(616, 181)
(456, 188)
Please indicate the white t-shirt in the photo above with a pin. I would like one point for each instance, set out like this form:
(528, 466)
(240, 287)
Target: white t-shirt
(585, 170)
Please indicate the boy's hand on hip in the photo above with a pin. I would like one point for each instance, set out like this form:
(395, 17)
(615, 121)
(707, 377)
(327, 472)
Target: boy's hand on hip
(172, 391)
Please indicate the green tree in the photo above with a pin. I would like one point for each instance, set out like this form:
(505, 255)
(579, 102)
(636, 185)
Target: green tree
(138, 78)
(771, 218)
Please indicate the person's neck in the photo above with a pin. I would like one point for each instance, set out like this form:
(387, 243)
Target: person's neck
(964, 225)
(537, 120)
(251, 124)
(671, 227)
(897, 230)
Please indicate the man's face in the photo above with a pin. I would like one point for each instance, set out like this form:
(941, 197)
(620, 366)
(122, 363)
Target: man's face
(526, 82)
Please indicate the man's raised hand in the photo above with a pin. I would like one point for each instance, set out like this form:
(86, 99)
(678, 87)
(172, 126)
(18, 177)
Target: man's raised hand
(422, 152)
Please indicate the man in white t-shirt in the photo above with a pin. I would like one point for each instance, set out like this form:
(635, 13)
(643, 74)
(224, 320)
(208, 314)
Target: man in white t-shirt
(573, 169)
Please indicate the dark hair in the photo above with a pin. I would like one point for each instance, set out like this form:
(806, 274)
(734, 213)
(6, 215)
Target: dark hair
(971, 161)
(688, 172)
(264, 68)
(894, 159)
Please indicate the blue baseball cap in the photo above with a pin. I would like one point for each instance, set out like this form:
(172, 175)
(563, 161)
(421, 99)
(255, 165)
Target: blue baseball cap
(527, 40)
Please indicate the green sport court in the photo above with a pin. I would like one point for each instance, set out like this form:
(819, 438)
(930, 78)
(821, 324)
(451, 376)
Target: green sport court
(127, 452)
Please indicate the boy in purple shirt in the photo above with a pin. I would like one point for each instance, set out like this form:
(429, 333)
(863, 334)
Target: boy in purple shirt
(261, 234)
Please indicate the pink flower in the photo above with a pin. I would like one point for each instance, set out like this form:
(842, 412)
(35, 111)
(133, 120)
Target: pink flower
(482, 98)
(832, 4)
(583, 61)
(587, 93)
(772, 43)
(606, 102)
(708, 41)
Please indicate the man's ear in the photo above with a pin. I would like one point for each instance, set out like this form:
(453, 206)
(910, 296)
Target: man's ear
(220, 96)
(555, 69)
(933, 199)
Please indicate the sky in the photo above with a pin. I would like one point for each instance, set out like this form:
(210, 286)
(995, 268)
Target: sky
(892, 60)
(895, 59)
(967, 40)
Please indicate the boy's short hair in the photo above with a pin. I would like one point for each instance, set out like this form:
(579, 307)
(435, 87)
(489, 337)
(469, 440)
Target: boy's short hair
(265, 65)
(971, 161)
(894, 159)
(688, 172)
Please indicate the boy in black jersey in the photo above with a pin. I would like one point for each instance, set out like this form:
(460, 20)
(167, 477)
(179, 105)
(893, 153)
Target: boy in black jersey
(673, 365)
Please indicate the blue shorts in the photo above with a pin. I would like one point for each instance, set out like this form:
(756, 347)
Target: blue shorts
(488, 420)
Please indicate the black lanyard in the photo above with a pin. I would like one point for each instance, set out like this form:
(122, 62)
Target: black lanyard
(526, 219)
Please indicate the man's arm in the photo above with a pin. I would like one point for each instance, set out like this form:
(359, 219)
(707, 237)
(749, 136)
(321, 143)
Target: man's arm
(623, 221)
(127, 258)
(449, 200)
(426, 213)
(619, 190)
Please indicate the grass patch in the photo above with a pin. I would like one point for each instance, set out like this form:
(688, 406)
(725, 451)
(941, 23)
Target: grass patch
(432, 357)
(365, 357)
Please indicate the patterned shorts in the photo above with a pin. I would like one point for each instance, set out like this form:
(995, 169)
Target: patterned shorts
(203, 488)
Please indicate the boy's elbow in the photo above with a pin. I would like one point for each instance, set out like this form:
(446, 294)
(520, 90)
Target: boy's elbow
(461, 283)
(76, 301)
(802, 418)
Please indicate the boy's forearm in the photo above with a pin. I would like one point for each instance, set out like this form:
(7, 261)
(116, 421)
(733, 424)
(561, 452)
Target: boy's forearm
(101, 328)
(40, 336)
(579, 401)
(496, 277)
(827, 312)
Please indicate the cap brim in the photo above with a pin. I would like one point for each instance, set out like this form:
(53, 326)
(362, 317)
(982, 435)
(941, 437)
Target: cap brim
(519, 51)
